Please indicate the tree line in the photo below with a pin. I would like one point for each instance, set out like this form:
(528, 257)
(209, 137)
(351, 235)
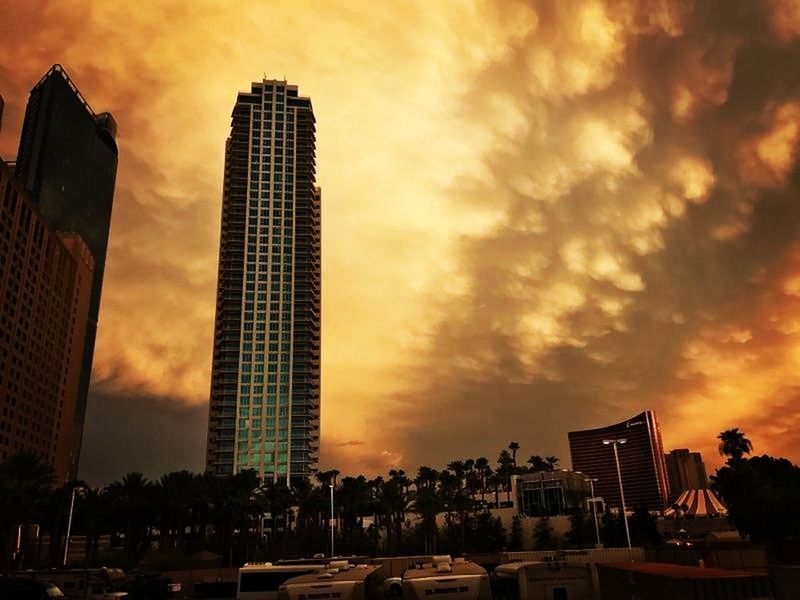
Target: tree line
(183, 513)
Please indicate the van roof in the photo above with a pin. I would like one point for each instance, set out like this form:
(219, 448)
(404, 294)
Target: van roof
(678, 571)
(255, 567)
(351, 573)
(455, 568)
(554, 565)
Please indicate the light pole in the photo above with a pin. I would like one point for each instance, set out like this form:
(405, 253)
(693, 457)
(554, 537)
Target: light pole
(76, 489)
(614, 444)
(331, 486)
(594, 510)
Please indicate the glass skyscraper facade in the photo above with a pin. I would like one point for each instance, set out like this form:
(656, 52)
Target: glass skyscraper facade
(265, 384)
(67, 162)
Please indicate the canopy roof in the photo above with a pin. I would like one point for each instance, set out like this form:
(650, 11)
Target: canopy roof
(697, 503)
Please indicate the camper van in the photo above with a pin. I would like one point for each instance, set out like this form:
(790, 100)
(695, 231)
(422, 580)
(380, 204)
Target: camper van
(551, 580)
(336, 582)
(457, 579)
(260, 581)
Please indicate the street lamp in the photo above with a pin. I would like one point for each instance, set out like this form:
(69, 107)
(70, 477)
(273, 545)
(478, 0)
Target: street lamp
(594, 509)
(330, 485)
(614, 444)
(79, 490)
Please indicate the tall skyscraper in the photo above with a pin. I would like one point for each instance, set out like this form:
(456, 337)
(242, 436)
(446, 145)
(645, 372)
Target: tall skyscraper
(641, 459)
(45, 286)
(67, 160)
(686, 471)
(265, 382)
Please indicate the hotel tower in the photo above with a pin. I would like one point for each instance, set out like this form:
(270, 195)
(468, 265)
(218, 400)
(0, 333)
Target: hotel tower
(265, 381)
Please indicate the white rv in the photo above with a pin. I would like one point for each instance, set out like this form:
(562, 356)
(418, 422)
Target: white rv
(260, 581)
(552, 580)
(447, 578)
(336, 582)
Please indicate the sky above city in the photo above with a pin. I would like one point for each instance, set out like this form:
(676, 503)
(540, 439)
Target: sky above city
(537, 216)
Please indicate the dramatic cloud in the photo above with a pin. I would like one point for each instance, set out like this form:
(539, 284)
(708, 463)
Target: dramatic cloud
(537, 215)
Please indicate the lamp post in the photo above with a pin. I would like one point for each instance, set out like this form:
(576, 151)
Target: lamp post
(331, 486)
(79, 490)
(614, 444)
(594, 510)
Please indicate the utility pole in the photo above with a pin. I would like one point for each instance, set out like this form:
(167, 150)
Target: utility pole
(331, 486)
(69, 522)
(614, 444)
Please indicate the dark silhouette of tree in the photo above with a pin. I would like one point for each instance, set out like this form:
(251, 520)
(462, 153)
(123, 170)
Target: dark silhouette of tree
(537, 463)
(544, 536)
(132, 501)
(505, 469)
(581, 533)
(612, 530)
(734, 444)
(643, 527)
(515, 537)
(484, 470)
(762, 494)
(514, 446)
(25, 481)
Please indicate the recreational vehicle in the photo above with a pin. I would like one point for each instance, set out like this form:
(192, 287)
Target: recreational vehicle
(260, 581)
(550, 580)
(457, 579)
(336, 582)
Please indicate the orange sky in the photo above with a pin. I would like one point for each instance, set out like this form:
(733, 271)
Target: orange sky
(538, 216)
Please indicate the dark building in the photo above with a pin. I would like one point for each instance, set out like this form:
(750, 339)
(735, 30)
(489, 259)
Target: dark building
(685, 471)
(67, 160)
(550, 493)
(641, 459)
(265, 381)
(45, 279)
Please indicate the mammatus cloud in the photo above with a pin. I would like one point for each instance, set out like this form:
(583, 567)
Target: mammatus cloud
(537, 215)
(644, 246)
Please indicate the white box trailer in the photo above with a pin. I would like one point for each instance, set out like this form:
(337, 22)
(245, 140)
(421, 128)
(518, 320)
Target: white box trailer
(457, 579)
(346, 582)
(551, 580)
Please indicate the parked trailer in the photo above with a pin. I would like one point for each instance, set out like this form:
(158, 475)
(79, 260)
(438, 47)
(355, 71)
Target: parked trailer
(551, 580)
(583, 556)
(457, 579)
(661, 581)
(261, 581)
(395, 566)
(346, 582)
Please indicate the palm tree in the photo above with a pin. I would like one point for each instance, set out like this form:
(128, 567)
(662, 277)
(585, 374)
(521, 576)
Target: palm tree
(484, 470)
(505, 468)
(25, 480)
(131, 499)
(552, 462)
(93, 510)
(459, 468)
(428, 503)
(537, 463)
(734, 444)
(494, 480)
(514, 446)
(175, 492)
